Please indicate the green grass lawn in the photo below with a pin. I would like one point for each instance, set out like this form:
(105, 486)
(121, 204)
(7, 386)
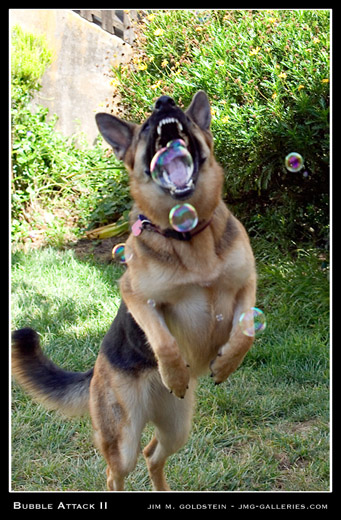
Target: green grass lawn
(265, 429)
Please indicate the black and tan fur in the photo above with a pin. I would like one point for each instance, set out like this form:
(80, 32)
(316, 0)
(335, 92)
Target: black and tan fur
(151, 357)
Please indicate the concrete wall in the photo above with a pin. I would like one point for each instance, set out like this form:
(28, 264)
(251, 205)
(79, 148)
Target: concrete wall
(76, 85)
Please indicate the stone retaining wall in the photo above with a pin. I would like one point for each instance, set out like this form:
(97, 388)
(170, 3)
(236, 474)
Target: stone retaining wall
(76, 85)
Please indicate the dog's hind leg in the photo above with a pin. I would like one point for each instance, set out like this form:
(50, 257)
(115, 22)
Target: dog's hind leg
(117, 435)
(155, 462)
(172, 418)
(118, 420)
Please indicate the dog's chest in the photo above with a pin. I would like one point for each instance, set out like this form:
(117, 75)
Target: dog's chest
(200, 318)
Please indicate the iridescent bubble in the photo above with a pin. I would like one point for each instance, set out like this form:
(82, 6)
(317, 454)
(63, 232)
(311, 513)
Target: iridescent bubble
(294, 162)
(172, 166)
(121, 253)
(219, 317)
(183, 217)
(151, 303)
(252, 321)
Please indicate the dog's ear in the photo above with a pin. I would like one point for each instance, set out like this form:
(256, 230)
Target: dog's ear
(116, 132)
(200, 111)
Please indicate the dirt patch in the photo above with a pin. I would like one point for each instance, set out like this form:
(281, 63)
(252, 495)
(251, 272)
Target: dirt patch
(283, 461)
(99, 250)
(303, 428)
(57, 227)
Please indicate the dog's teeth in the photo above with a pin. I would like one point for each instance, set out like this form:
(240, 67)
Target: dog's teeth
(166, 121)
(166, 178)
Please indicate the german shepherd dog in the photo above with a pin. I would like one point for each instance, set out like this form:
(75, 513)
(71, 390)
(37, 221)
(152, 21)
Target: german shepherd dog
(182, 297)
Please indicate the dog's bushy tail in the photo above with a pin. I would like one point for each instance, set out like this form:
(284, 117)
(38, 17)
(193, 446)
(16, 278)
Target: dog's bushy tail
(57, 389)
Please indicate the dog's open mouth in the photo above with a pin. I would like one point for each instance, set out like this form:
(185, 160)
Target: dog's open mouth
(168, 129)
(172, 165)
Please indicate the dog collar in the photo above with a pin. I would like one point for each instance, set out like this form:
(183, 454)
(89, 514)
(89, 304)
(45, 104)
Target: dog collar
(143, 223)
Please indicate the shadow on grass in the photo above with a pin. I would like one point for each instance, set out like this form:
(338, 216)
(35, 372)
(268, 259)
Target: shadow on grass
(69, 299)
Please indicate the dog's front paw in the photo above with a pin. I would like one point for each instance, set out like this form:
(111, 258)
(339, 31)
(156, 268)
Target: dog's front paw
(175, 376)
(224, 364)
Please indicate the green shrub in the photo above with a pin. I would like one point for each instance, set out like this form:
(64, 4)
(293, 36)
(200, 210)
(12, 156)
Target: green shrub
(267, 76)
(48, 165)
(49, 168)
(29, 58)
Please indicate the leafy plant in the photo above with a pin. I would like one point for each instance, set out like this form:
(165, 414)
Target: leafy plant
(266, 73)
(29, 58)
(49, 169)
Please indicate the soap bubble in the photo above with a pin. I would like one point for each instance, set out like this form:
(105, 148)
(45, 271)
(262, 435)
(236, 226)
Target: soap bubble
(252, 321)
(121, 254)
(172, 166)
(183, 217)
(294, 162)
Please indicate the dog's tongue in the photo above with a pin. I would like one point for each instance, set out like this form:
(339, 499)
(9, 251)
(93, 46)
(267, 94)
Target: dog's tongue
(172, 166)
(178, 172)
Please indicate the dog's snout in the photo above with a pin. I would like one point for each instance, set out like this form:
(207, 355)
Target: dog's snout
(164, 102)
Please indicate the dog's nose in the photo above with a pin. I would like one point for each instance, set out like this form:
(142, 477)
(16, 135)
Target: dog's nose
(164, 102)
